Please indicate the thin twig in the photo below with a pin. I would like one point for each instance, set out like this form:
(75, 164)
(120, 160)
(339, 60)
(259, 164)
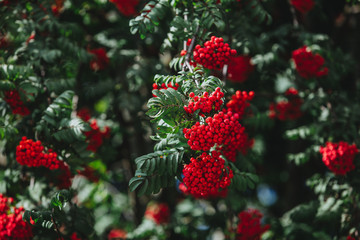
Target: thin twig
(295, 21)
(56, 227)
(224, 73)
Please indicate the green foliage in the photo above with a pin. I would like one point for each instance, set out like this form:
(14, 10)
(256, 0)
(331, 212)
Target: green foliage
(167, 105)
(244, 180)
(256, 11)
(156, 170)
(150, 17)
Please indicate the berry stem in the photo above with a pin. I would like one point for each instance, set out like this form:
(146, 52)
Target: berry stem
(190, 50)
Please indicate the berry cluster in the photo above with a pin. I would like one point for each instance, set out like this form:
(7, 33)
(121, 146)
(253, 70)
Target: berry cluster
(303, 6)
(206, 103)
(74, 236)
(222, 129)
(95, 136)
(58, 7)
(239, 68)
(4, 41)
(32, 154)
(89, 173)
(206, 176)
(64, 177)
(159, 213)
(17, 106)
(100, 60)
(11, 224)
(339, 157)
(116, 234)
(307, 64)
(239, 102)
(164, 86)
(288, 109)
(84, 114)
(215, 53)
(249, 226)
(126, 7)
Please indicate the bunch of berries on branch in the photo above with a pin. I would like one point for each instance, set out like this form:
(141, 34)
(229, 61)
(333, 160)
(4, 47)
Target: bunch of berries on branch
(206, 103)
(95, 136)
(223, 129)
(339, 157)
(32, 154)
(126, 7)
(207, 176)
(239, 102)
(249, 226)
(12, 225)
(100, 59)
(215, 53)
(289, 109)
(165, 86)
(17, 106)
(307, 64)
(303, 6)
(158, 212)
(239, 68)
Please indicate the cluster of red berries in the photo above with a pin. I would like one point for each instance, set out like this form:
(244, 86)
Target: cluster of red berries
(12, 225)
(58, 7)
(126, 7)
(32, 154)
(249, 226)
(206, 176)
(165, 86)
(206, 103)
(223, 129)
(288, 109)
(303, 6)
(239, 102)
(17, 106)
(307, 64)
(95, 136)
(100, 60)
(4, 41)
(158, 212)
(89, 173)
(215, 53)
(65, 176)
(239, 68)
(84, 114)
(339, 157)
(116, 234)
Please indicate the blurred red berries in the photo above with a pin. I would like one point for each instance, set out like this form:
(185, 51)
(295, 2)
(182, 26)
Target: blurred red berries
(126, 7)
(339, 157)
(249, 226)
(100, 60)
(303, 6)
(239, 68)
(12, 225)
(289, 109)
(158, 212)
(307, 64)
(17, 106)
